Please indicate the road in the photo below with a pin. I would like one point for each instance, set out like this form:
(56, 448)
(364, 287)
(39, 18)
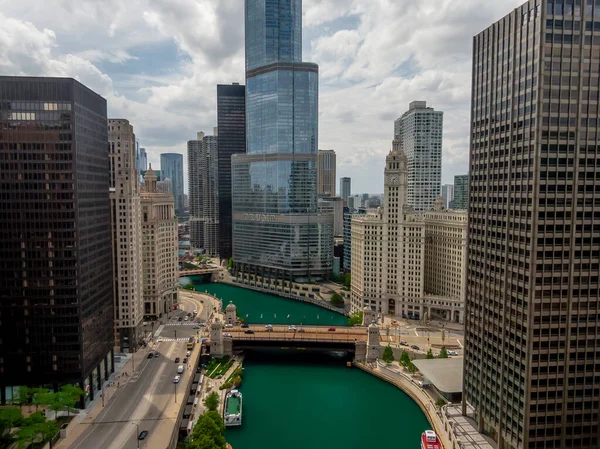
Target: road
(141, 399)
(310, 333)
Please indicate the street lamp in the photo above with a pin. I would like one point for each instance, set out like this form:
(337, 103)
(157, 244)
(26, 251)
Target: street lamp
(137, 436)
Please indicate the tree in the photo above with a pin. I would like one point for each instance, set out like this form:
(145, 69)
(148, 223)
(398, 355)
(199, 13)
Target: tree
(70, 395)
(47, 430)
(405, 359)
(430, 354)
(337, 300)
(30, 429)
(348, 280)
(237, 381)
(23, 395)
(230, 263)
(388, 354)
(188, 287)
(209, 432)
(443, 353)
(9, 417)
(55, 403)
(212, 401)
(40, 396)
(355, 319)
(412, 368)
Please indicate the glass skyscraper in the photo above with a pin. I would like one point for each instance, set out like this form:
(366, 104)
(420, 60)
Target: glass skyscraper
(277, 230)
(171, 165)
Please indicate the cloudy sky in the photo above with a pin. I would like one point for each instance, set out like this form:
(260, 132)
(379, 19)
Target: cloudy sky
(158, 62)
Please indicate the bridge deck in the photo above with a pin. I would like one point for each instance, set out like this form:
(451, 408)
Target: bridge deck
(314, 334)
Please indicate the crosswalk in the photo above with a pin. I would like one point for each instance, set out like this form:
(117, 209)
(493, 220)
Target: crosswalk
(176, 339)
(182, 323)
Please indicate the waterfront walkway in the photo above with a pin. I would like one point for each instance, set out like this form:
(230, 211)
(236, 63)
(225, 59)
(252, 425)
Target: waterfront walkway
(416, 393)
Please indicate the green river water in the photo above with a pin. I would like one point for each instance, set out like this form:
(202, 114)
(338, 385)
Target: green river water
(297, 400)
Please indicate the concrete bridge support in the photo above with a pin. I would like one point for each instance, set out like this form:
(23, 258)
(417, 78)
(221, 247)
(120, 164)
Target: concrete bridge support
(216, 339)
(230, 313)
(369, 316)
(228, 346)
(372, 343)
(360, 351)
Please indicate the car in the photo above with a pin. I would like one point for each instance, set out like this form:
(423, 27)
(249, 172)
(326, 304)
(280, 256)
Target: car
(177, 359)
(300, 329)
(196, 327)
(185, 359)
(245, 326)
(189, 314)
(226, 335)
(160, 339)
(331, 329)
(452, 352)
(150, 355)
(292, 328)
(156, 354)
(143, 434)
(269, 327)
(176, 379)
(415, 347)
(228, 326)
(248, 331)
(185, 318)
(202, 324)
(189, 353)
(179, 319)
(403, 343)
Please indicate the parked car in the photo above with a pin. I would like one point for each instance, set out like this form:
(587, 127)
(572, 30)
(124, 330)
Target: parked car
(248, 331)
(189, 353)
(415, 347)
(452, 352)
(143, 434)
(177, 359)
(331, 329)
(245, 326)
(150, 355)
(176, 379)
(403, 343)
(185, 359)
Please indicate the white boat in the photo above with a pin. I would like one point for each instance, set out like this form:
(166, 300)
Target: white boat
(429, 440)
(232, 413)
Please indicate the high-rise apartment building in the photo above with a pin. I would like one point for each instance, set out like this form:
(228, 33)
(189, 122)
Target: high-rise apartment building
(277, 230)
(326, 167)
(56, 289)
(348, 214)
(345, 189)
(447, 195)
(405, 263)
(159, 249)
(125, 218)
(231, 122)
(142, 161)
(531, 336)
(419, 132)
(171, 165)
(203, 178)
(461, 192)
(335, 208)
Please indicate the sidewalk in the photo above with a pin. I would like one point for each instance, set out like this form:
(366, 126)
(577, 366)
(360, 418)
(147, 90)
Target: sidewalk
(81, 422)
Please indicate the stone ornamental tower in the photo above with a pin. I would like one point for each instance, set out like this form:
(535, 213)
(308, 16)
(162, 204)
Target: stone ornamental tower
(369, 316)
(372, 343)
(231, 313)
(216, 339)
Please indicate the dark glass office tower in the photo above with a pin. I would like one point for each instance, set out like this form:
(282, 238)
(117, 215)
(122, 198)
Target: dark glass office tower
(231, 122)
(532, 333)
(171, 166)
(56, 297)
(277, 231)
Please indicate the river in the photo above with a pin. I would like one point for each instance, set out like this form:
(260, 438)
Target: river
(298, 400)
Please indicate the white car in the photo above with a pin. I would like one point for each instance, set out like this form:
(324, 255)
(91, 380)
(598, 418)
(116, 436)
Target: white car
(452, 352)
(269, 327)
(292, 328)
(160, 339)
(176, 379)
(228, 326)
(185, 318)
(189, 353)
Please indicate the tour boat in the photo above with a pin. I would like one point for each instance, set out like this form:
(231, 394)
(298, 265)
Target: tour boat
(429, 440)
(232, 414)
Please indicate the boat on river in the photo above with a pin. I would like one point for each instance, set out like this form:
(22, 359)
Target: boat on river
(429, 440)
(232, 413)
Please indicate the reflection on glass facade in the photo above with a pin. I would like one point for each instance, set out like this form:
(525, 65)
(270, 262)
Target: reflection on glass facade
(171, 166)
(56, 297)
(277, 230)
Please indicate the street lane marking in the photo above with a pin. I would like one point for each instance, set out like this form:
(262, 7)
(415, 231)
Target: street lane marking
(458, 341)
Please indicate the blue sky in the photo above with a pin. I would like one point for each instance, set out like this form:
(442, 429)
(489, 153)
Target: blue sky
(158, 62)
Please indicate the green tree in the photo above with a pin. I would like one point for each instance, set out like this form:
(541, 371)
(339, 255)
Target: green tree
(412, 368)
(347, 280)
(23, 395)
(9, 417)
(388, 354)
(405, 359)
(47, 430)
(337, 300)
(188, 287)
(355, 319)
(209, 432)
(55, 403)
(230, 263)
(212, 401)
(70, 395)
(40, 396)
(30, 429)
(237, 381)
(440, 402)
(443, 353)
(430, 354)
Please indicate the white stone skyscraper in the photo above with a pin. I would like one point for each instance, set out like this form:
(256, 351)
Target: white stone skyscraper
(419, 132)
(203, 176)
(126, 234)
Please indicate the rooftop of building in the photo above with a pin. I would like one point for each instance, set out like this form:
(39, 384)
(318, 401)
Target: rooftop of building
(445, 374)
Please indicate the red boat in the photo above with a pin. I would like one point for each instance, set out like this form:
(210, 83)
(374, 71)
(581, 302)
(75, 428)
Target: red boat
(429, 440)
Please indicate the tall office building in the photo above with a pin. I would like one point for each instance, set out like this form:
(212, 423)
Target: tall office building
(335, 207)
(142, 163)
(405, 263)
(461, 192)
(447, 195)
(419, 132)
(345, 189)
(326, 173)
(159, 249)
(203, 173)
(231, 122)
(56, 292)
(277, 230)
(531, 337)
(348, 214)
(125, 217)
(171, 165)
